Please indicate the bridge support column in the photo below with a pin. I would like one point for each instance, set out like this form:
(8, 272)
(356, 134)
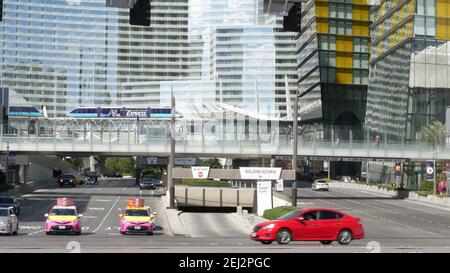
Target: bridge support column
(92, 163)
(23, 174)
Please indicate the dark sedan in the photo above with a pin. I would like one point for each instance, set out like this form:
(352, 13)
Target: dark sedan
(148, 183)
(68, 179)
(7, 202)
(112, 174)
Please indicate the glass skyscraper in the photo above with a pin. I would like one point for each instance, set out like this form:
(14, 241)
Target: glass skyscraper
(333, 57)
(409, 83)
(64, 54)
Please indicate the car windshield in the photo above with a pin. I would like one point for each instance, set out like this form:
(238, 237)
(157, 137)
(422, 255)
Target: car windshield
(3, 212)
(6, 201)
(67, 176)
(63, 212)
(136, 212)
(290, 215)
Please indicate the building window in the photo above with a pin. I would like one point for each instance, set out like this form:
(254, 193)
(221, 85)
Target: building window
(360, 45)
(327, 43)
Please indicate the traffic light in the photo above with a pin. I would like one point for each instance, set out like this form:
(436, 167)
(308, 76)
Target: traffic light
(292, 21)
(140, 13)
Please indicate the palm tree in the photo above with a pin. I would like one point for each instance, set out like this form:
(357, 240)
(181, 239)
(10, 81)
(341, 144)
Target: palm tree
(433, 133)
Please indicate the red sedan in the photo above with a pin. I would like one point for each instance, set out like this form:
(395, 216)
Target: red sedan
(313, 224)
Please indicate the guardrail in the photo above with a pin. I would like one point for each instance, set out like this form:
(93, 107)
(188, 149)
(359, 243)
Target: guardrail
(207, 147)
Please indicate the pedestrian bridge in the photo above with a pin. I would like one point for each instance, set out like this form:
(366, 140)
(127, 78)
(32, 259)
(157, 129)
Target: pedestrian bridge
(237, 139)
(155, 146)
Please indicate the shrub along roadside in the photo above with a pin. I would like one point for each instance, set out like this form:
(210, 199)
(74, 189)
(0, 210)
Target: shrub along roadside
(275, 213)
(205, 183)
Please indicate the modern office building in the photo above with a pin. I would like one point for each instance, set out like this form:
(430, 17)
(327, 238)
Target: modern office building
(409, 82)
(66, 53)
(333, 56)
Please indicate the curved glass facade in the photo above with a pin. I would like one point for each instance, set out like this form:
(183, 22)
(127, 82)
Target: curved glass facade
(64, 54)
(409, 84)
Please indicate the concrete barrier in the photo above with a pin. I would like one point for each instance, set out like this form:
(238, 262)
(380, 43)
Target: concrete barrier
(214, 197)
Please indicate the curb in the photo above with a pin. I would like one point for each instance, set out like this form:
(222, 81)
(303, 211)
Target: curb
(170, 220)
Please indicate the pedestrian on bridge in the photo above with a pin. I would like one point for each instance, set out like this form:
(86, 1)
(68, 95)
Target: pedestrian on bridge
(378, 140)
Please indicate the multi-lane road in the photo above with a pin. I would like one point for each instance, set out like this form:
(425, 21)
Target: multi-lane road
(391, 225)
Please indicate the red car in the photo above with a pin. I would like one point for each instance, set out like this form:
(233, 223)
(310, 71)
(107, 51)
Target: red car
(312, 224)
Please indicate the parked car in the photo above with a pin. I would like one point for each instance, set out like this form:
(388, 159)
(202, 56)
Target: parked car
(69, 179)
(9, 223)
(320, 185)
(112, 174)
(7, 202)
(312, 224)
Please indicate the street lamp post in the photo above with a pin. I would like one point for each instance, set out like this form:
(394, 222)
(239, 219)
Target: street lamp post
(7, 163)
(170, 183)
(295, 150)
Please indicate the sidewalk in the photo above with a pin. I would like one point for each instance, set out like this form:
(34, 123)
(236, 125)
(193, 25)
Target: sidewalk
(172, 215)
(412, 196)
(27, 188)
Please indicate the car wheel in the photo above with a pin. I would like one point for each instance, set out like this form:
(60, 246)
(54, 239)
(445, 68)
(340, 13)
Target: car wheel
(284, 237)
(123, 232)
(326, 242)
(266, 242)
(11, 231)
(48, 233)
(150, 233)
(78, 233)
(17, 229)
(345, 237)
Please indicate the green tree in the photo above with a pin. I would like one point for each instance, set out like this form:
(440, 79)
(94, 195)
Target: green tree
(124, 165)
(213, 163)
(433, 134)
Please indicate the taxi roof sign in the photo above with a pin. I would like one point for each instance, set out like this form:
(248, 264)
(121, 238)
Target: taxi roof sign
(65, 202)
(135, 202)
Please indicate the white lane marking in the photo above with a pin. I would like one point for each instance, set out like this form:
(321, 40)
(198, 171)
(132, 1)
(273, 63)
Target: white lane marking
(106, 216)
(102, 200)
(90, 217)
(30, 227)
(124, 189)
(97, 209)
(36, 232)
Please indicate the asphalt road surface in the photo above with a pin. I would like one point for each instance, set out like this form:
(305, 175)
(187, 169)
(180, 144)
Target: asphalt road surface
(391, 225)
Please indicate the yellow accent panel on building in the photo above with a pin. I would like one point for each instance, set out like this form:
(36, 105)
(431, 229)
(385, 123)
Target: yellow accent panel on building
(322, 9)
(409, 29)
(360, 2)
(360, 14)
(360, 29)
(344, 76)
(344, 44)
(322, 26)
(442, 8)
(344, 60)
(443, 29)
